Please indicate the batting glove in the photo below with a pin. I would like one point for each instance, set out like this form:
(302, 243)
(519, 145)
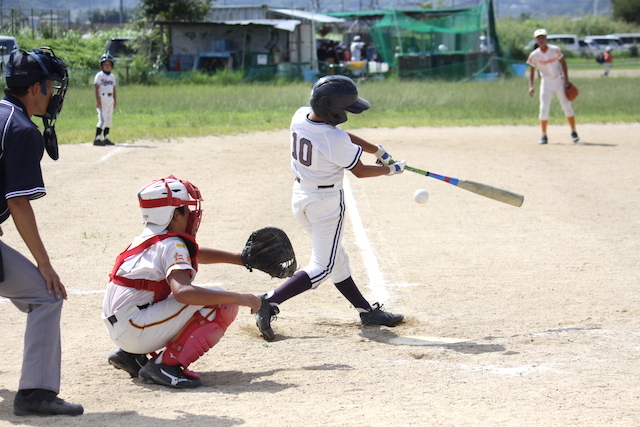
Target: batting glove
(397, 167)
(384, 158)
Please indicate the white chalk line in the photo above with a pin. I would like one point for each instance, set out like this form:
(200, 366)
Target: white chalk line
(102, 159)
(376, 280)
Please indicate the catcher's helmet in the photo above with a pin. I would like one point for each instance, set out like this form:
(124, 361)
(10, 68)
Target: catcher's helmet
(27, 68)
(332, 96)
(160, 198)
(106, 57)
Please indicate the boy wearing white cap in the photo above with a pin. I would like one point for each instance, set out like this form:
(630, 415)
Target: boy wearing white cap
(549, 61)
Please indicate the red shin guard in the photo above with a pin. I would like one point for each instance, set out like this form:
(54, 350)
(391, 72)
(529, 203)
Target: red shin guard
(198, 336)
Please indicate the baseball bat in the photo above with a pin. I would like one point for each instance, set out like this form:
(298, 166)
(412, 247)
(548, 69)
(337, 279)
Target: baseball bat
(494, 193)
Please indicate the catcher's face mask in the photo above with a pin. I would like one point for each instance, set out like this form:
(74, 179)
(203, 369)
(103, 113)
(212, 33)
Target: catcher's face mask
(159, 199)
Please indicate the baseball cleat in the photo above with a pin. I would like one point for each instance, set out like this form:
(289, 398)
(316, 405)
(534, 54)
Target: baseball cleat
(169, 376)
(379, 317)
(98, 142)
(543, 140)
(264, 316)
(574, 136)
(128, 362)
(107, 141)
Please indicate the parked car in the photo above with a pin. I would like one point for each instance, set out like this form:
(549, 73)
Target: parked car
(628, 39)
(7, 44)
(566, 42)
(120, 48)
(600, 43)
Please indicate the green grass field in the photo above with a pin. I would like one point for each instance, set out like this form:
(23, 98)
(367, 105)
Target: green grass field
(196, 110)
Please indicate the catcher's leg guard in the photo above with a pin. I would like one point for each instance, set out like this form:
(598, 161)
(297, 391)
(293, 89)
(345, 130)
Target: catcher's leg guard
(198, 336)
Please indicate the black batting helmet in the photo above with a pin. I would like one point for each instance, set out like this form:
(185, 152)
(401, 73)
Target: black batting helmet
(106, 57)
(332, 96)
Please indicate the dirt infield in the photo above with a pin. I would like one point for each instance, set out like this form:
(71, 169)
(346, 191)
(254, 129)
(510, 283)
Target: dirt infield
(514, 316)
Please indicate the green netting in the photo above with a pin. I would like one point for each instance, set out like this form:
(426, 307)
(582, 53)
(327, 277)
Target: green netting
(437, 31)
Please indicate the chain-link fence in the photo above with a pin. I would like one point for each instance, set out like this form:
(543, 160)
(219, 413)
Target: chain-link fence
(48, 22)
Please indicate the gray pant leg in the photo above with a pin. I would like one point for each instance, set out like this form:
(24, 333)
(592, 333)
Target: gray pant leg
(27, 290)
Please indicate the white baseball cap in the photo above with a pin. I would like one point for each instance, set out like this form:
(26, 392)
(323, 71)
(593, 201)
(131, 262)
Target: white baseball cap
(540, 32)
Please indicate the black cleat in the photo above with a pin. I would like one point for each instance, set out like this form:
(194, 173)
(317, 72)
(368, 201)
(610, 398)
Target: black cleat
(264, 316)
(129, 362)
(378, 317)
(543, 140)
(107, 141)
(170, 376)
(574, 136)
(43, 402)
(99, 142)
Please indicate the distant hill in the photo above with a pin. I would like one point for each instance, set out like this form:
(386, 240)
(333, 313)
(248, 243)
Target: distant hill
(503, 8)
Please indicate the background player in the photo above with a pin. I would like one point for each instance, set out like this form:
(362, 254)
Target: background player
(34, 289)
(549, 61)
(320, 153)
(150, 302)
(105, 91)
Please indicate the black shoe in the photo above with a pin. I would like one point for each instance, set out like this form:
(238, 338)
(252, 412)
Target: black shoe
(170, 376)
(99, 142)
(574, 136)
(543, 140)
(106, 141)
(264, 316)
(129, 362)
(43, 402)
(378, 317)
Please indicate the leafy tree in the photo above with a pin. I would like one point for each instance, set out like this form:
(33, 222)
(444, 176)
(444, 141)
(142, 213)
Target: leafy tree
(627, 10)
(175, 10)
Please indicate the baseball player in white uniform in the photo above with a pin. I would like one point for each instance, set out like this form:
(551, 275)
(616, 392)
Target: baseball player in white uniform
(549, 61)
(320, 153)
(151, 303)
(105, 91)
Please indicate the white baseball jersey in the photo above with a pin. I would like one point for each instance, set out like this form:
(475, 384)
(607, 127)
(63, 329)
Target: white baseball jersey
(548, 63)
(133, 321)
(320, 152)
(106, 85)
(154, 263)
(105, 81)
(552, 77)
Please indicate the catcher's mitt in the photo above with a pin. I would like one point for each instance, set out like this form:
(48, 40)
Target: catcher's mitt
(571, 91)
(269, 249)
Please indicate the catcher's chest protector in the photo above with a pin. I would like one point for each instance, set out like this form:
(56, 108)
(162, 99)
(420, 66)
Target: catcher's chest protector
(161, 288)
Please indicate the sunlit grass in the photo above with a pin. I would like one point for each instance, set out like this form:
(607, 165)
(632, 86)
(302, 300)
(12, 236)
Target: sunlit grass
(165, 112)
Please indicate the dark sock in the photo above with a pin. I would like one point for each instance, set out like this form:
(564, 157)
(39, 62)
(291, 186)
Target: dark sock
(295, 285)
(98, 132)
(351, 292)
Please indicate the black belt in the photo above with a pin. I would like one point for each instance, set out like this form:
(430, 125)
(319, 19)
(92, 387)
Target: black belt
(319, 186)
(113, 320)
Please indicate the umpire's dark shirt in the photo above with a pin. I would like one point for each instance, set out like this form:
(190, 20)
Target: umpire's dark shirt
(21, 150)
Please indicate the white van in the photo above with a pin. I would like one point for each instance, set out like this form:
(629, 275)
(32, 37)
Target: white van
(628, 39)
(566, 42)
(600, 43)
(7, 44)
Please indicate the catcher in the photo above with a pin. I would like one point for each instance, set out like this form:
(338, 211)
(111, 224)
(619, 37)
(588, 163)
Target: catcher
(151, 304)
(549, 61)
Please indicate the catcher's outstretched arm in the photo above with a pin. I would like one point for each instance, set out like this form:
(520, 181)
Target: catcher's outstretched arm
(217, 256)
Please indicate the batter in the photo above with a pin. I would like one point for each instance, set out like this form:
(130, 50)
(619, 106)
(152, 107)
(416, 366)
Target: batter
(320, 153)
(549, 61)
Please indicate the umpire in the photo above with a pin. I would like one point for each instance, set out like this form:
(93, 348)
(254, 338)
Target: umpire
(34, 289)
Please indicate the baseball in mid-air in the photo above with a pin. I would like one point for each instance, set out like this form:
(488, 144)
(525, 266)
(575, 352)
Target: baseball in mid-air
(421, 196)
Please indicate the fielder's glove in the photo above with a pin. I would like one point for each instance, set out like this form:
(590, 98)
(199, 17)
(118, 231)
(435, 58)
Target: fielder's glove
(269, 249)
(571, 91)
